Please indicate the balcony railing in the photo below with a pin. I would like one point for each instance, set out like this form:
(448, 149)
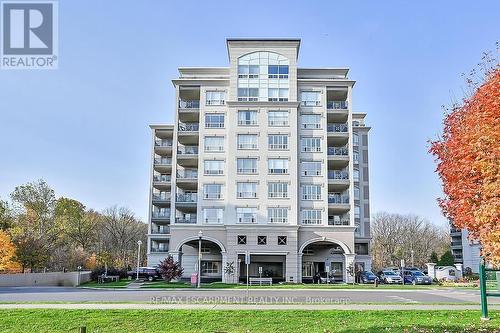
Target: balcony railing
(246, 219)
(161, 197)
(214, 148)
(163, 161)
(161, 215)
(187, 104)
(163, 143)
(310, 103)
(213, 221)
(187, 197)
(338, 220)
(187, 150)
(212, 196)
(336, 105)
(161, 230)
(338, 174)
(181, 219)
(162, 178)
(187, 174)
(336, 198)
(158, 250)
(338, 151)
(215, 102)
(337, 128)
(189, 127)
(247, 195)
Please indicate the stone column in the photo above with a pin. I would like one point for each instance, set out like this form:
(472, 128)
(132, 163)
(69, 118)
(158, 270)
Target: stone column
(349, 260)
(225, 277)
(431, 270)
(291, 269)
(299, 265)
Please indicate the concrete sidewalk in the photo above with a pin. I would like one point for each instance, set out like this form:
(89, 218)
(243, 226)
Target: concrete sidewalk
(149, 306)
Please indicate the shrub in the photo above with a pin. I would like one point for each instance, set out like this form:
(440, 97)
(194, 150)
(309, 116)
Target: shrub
(170, 269)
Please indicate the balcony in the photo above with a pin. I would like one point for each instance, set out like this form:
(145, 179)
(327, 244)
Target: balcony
(186, 219)
(338, 220)
(187, 128)
(189, 104)
(187, 198)
(310, 103)
(338, 151)
(162, 179)
(160, 230)
(158, 250)
(163, 197)
(187, 174)
(161, 215)
(338, 174)
(187, 151)
(163, 142)
(163, 161)
(336, 105)
(337, 128)
(337, 198)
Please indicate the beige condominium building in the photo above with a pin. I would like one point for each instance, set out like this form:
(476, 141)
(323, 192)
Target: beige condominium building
(265, 159)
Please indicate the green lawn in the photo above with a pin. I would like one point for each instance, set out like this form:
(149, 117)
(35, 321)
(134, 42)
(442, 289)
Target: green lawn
(219, 285)
(198, 321)
(123, 283)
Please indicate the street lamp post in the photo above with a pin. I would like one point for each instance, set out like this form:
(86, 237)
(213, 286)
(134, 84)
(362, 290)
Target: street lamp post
(412, 262)
(200, 235)
(138, 258)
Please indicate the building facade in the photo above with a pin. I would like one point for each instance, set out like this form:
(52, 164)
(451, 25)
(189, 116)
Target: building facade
(465, 251)
(266, 160)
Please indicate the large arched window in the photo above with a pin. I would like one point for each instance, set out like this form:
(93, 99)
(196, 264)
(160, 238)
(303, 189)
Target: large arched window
(263, 76)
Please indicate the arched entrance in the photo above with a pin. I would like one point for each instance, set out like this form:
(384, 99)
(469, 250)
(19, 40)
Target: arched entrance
(212, 258)
(324, 261)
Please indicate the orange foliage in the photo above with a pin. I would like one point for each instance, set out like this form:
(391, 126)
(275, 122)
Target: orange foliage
(468, 157)
(7, 254)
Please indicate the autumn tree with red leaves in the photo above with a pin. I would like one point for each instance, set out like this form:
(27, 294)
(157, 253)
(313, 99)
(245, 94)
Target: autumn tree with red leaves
(468, 158)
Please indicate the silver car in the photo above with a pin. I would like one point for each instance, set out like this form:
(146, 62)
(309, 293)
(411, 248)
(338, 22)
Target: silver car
(390, 277)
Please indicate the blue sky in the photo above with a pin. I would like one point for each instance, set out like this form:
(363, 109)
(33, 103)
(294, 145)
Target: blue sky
(84, 127)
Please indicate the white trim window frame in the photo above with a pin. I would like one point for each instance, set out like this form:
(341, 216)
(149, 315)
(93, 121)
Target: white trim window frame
(312, 216)
(277, 214)
(277, 190)
(213, 167)
(311, 121)
(246, 166)
(246, 190)
(278, 141)
(247, 141)
(311, 144)
(277, 166)
(212, 191)
(311, 168)
(311, 192)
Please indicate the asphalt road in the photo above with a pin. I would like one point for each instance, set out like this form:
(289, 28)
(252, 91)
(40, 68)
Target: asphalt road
(225, 296)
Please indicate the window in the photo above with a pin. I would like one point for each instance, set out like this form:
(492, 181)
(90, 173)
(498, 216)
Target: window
(361, 248)
(311, 192)
(214, 143)
(355, 139)
(210, 267)
(247, 118)
(310, 98)
(213, 215)
(242, 239)
(278, 142)
(275, 72)
(356, 192)
(277, 215)
(355, 176)
(214, 167)
(247, 141)
(277, 190)
(277, 94)
(214, 120)
(246, 165)
(311, 121)
(212, 191)
(311, 144)
(355, 157)
(281, 240)
(246, 190)
(311, 168)
(261, 240)
(257, 71)
(248, 94)
(215, 98)
(311, 216)
(357, 211)
(246, 214)
(277, 118)
(277, 165)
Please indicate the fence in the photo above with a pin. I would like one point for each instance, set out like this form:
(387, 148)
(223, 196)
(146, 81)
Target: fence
(67, 279)
(489, 284)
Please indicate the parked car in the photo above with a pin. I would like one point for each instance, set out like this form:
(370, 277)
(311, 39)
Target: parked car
(145, 273)
(389, 277)
(367, 277)
(416, 277)
(324, 279)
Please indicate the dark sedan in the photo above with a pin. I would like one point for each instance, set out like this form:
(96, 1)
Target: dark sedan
(367, 277)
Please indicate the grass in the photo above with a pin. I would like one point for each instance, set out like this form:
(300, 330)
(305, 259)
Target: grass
(197, 321)
(220, 285)
(123, 283)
